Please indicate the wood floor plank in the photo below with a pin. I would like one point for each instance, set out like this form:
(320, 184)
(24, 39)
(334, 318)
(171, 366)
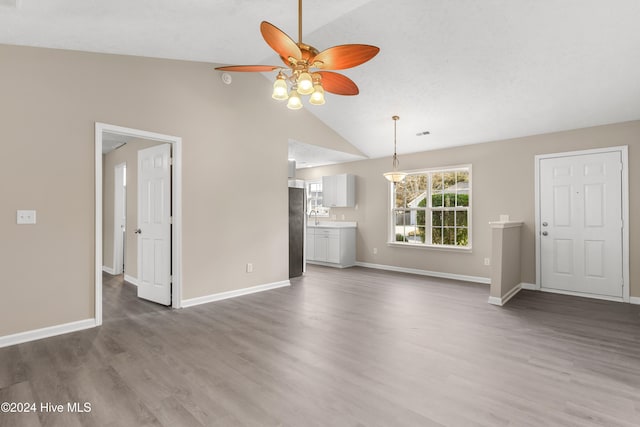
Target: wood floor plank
(352, 347)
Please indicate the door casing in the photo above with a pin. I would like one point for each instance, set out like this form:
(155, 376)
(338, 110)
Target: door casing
(623, 150)
(176, 208)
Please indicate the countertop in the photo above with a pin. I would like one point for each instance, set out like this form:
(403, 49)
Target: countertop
(332, 224)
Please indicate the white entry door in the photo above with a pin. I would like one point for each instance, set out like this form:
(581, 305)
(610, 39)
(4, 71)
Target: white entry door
(154, 224)
(580, 226)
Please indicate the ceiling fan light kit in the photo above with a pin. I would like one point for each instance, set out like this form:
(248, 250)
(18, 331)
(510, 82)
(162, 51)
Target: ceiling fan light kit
(395, 176)
(307, 71)
(294, 103)
(280, 89)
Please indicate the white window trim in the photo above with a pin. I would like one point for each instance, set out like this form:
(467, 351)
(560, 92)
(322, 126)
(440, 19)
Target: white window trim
(451, 248)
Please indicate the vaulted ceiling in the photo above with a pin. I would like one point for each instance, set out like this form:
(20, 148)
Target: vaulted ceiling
(467, 71)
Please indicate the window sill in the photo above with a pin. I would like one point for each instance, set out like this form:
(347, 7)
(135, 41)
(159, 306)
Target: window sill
(463, 249)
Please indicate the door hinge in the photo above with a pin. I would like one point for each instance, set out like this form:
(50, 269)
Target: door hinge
(171, 279)
(170, 161)
(170, 220)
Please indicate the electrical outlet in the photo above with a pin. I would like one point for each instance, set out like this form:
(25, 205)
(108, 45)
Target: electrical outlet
(25, 217)
(375, 251)
(249, 268)
(487, 261)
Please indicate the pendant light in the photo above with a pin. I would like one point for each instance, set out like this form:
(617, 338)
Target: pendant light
(395, 176)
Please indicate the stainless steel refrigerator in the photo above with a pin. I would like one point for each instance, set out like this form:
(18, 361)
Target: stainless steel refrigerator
(297, 219)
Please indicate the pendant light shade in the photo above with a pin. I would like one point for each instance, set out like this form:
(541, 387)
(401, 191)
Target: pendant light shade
(395, 176)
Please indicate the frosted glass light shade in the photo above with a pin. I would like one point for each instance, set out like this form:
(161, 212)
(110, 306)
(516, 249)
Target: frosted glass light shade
(395, 176)
(317, 97)
(305, 84)
(280, 90)
(295, 103)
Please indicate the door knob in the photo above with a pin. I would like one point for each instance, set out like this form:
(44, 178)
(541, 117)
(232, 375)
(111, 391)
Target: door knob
(544, 224)
(544, 233)
(138, 231)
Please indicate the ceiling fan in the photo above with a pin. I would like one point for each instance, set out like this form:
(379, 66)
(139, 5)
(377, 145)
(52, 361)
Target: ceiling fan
(307, 69)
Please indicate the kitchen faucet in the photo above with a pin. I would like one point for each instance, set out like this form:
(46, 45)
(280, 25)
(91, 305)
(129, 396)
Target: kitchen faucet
(313, 212)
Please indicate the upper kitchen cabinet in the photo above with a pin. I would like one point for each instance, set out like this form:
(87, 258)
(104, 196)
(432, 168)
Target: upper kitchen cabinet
(339, 191)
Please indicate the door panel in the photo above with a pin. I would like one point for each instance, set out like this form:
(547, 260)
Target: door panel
(581, 224)
(333, 250)
(154, 224)
(322, 248)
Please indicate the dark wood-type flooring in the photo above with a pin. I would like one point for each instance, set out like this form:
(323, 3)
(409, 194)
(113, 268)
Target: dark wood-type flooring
(353, 347)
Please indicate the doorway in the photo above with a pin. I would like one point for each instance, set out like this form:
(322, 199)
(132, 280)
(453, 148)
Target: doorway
(119, 217)
(171, 207)
(582, 235)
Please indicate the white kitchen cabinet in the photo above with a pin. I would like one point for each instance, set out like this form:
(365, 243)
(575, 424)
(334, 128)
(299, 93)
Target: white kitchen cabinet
(310, 252)
(339, 191)
(334, 247)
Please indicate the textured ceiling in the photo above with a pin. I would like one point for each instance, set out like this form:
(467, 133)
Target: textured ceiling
(468, 71)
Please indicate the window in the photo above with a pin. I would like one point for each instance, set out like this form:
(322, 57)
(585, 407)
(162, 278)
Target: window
(433, 208)
(314, 198)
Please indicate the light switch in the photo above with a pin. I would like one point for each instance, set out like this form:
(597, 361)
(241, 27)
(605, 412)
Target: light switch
(26, 217)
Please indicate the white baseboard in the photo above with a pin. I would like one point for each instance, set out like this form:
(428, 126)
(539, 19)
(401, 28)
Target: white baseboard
(475, 279)
(502, 301)
(232, 294)
(131, 279)
(47, 332)
(529, 286)
(634, 300)
(495, 301)
(330, 264)
(108, 270)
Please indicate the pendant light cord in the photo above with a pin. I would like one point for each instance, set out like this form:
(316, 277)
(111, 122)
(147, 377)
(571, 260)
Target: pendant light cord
(396, 162)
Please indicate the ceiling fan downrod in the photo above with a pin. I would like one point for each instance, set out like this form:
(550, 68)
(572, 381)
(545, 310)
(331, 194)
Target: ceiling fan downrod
(299, 22)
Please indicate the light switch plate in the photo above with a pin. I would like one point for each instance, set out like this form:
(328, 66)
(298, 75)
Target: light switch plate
(26, 217)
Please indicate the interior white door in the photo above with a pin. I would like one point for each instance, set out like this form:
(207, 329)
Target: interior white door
(154, 224)
(581, 224)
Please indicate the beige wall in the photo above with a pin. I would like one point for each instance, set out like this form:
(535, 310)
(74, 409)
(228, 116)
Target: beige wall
(234, 173)
(127, 154)
(505, 260)
(503, 183)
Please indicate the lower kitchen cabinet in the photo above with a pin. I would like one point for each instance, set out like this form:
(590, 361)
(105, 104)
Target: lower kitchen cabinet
(335, 247)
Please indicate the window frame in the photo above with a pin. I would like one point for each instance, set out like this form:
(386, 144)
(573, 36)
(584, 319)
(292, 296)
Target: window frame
(307, 189)
(391, 231)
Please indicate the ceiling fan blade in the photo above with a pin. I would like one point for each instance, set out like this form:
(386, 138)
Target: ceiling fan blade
(338, 84)
(249, 68)
(279, 41)
(345, 56)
